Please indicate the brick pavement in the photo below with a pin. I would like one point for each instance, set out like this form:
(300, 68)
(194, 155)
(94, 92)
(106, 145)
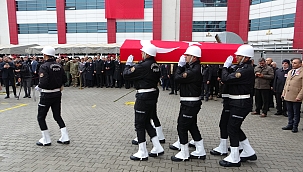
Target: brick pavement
(101, 128)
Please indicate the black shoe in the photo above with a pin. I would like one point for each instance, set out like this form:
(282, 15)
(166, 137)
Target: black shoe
(162, 141)
(285, 114)
(171, 93)
(250, 158)
(66, 142)
(16, 96)
(191, 145)
(25, 97)
(176, 93)
(134, 142)
(229, 164)
(278, 113)
(172, 147)
(287, 128)
(294, 130)
(29, 97)
(6, 97)
(173, 158)
(138, 159)
(155, 154)
(41, 144)
(198, 157)
(213, 152)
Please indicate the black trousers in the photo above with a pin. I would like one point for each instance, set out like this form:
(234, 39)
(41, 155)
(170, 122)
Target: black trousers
(293, 112)
(109, 80)
(281, 105)
(205, 90)
(26, 83)
(236, 118)
(173, 84)
(143, 113)
(214, 83)
(154, 116)
(98, 79)
(6, 82)
(261, 100)
(187, 121)
(225, 115)
(46, 102)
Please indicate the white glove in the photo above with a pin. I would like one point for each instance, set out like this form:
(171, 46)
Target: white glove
(130, 60)
(182, 61)
(228, 61)
(38, 88)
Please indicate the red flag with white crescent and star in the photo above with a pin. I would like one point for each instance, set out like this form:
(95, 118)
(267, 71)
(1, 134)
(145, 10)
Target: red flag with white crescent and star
(170, 51)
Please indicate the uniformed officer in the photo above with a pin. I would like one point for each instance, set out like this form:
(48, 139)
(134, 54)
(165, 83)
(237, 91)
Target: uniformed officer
(146, 75)
(188, 75)
(240, 83)
(51, 79)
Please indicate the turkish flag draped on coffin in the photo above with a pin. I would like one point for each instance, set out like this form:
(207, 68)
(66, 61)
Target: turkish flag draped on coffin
(124, 9)
(170, 51)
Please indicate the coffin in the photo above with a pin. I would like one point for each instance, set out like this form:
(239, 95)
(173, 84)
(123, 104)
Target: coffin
(170, 51)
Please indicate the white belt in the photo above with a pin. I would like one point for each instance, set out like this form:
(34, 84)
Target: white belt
(225, 95)
(189, 98)
(146, 90)
(50, 91)
(239, 96)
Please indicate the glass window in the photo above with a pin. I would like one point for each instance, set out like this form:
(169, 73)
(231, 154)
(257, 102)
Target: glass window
(209, 26)
(84, 4)
(274, 22)
(91, 27)
(209, 3)
(253, 2)
(130, 27)
(148, 3)
(35, 5)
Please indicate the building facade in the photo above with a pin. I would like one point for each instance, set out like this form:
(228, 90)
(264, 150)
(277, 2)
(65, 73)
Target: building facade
(261, 23)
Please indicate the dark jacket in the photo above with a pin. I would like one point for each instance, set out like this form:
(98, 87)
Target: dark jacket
(190, 86)
(89, 68)
(279, 80)
(99, 66)
(25, 71)
(268, 75)
(109, 67)
(145, 76)
(206, 74)
(9, 72)
(118, 71)
(240, 82)
(165, 71)
(51, 75)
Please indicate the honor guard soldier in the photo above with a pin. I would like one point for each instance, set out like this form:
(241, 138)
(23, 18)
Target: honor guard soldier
(188, 75)
(51, 80)
(146, 75)
(240, 84)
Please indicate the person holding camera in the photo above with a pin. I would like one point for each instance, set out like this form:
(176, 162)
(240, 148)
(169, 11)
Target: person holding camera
(24, 76)
(8, 76)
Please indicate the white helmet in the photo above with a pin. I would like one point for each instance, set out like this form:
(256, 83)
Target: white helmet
(48, 50)
(194, 51)
(245, 50)
(149, 49)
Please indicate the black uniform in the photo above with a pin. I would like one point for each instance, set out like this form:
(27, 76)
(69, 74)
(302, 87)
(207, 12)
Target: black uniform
(190, 88)
(146, 77)
(52, 77)
(240, 83)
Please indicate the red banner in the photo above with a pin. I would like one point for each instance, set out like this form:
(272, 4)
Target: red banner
(124, 9)
(170, 51)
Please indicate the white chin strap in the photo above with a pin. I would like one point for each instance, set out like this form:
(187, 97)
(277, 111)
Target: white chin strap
(190, 61)
(144, 55)
(242, 60)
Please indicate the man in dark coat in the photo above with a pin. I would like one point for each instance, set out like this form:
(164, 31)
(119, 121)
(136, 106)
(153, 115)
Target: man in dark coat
(8, 76)
(164, 76)
(109, 68)
(89, 68)
(98, 71)
(278, 85)
(118, 73)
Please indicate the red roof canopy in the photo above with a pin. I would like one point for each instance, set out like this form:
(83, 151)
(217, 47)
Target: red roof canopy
(170, 51)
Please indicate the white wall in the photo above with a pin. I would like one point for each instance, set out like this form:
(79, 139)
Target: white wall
(86, 38)
(170, 20)
(27, 17)
(4, 29)
(41, 39)
(143, 36)
(78, 16)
